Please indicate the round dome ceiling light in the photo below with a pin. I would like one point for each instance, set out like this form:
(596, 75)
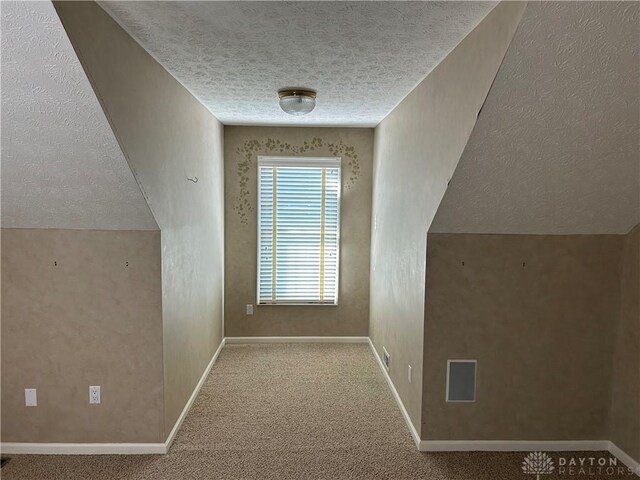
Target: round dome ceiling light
(297, 101)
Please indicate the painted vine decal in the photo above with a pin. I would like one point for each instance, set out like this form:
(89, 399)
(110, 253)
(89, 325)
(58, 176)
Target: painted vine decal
(251, 148)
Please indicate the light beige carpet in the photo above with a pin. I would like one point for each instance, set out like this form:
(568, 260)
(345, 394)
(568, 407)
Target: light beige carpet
(289, 412)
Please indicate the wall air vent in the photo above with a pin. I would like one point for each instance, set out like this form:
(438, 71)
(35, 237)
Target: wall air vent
(385, 358)
(461, 380)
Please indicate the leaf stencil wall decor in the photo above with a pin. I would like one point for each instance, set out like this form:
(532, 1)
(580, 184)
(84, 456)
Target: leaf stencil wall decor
(249, 151)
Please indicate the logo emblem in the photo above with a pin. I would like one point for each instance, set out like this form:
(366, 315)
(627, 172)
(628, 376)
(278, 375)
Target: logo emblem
(537, 463)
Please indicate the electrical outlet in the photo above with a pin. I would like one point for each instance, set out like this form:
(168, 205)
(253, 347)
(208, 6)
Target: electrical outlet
(249, 309)
(409, 374)
(30, 397)
(94, 394)
(386, 359)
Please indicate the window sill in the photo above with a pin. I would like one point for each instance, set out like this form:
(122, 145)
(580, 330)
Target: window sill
(310, 304)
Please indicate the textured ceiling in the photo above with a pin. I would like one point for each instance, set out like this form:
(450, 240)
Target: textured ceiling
(363, 58)
(556, 146)
(61, 164)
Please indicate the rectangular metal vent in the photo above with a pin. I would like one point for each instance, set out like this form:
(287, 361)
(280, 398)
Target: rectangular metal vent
(461, 380)
(385, 358)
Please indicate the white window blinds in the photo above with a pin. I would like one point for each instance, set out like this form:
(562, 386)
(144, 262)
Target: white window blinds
(298, 230)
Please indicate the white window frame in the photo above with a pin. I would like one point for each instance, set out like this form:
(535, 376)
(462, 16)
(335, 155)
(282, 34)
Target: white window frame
(280, 161)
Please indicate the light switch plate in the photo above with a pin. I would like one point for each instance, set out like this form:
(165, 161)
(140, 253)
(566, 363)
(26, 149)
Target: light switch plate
(30, 397)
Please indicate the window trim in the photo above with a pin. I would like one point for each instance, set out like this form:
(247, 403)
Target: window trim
(295, 161)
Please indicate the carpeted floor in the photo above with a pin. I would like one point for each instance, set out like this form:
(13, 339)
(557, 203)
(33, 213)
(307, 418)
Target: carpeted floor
(281, 412)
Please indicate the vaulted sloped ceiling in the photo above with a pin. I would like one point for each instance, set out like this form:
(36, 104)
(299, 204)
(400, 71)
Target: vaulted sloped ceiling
(556, 146)
(61, 164)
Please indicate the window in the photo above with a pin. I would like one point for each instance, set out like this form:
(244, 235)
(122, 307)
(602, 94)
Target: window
(298, 230)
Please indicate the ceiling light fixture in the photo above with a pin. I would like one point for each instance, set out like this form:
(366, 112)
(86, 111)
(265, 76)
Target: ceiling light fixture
(297, 101)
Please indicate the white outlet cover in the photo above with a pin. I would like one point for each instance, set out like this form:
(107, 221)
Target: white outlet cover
(94, 394)
(249, 309)
(30, 397)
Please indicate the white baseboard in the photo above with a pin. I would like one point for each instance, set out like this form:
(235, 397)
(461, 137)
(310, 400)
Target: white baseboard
(530, 446)
(194, 394)
(405, 414)
(513, 445)
(20, 448)
(625, 458)
(503, 445)
(250, 340)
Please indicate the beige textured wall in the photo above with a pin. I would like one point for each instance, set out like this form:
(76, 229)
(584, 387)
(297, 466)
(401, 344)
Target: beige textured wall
(541, 333)
(625, 399)
(166, 136)
(416, 150)
(89, 320)
(242, 146)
